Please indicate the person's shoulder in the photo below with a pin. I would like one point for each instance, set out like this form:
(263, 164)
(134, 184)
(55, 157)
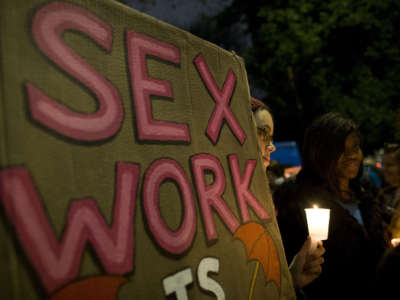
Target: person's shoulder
(286, 189)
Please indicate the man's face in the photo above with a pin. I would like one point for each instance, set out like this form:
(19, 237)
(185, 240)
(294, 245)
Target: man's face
(391, 169)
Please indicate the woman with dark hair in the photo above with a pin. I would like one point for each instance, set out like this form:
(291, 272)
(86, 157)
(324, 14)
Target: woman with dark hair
(330, 178)
(305, 266)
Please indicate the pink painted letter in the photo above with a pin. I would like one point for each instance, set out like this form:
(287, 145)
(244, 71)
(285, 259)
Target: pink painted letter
(139, 46)
(58, 262)
(178, 241)
(49, 23)
(222, 99)
(243, 194)
(210, 196)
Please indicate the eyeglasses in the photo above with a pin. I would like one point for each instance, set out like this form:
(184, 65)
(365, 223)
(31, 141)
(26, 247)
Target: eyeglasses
(263, 133)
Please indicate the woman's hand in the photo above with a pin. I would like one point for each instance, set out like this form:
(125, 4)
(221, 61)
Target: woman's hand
(306, 265)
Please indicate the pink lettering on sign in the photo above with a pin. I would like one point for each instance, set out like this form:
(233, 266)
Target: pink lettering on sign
(49, 23)
(139, 46)
(210, 196)
(244, 195)
(222, 98)
(58, 262)
(175, 242)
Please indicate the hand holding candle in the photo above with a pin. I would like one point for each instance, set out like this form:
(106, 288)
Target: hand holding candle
(318, 224)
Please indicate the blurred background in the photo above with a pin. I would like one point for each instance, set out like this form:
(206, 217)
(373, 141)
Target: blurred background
(307, 57)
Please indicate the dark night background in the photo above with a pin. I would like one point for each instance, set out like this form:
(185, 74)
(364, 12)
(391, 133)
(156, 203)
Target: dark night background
(307, 57)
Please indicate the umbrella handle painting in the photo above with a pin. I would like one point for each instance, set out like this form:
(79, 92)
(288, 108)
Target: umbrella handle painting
(261, 248)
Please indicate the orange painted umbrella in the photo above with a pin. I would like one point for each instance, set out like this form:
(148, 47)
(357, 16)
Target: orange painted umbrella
(261, 248)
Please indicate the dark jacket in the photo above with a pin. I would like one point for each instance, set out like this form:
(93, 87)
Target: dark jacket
(388, 274)
(352, 250)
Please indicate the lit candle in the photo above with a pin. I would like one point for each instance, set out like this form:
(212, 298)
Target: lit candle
(318, 224)
(395, 242)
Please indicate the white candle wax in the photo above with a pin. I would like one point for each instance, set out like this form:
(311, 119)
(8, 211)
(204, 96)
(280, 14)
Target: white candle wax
(318, 223)
(395, 242)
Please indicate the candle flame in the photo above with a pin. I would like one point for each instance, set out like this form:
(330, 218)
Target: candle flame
(395, 242)
(315, 206)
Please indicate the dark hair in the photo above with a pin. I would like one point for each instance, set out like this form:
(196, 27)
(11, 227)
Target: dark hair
(324, 142)
(258, 104)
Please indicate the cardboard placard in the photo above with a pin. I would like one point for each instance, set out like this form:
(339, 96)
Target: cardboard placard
(128, 162)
